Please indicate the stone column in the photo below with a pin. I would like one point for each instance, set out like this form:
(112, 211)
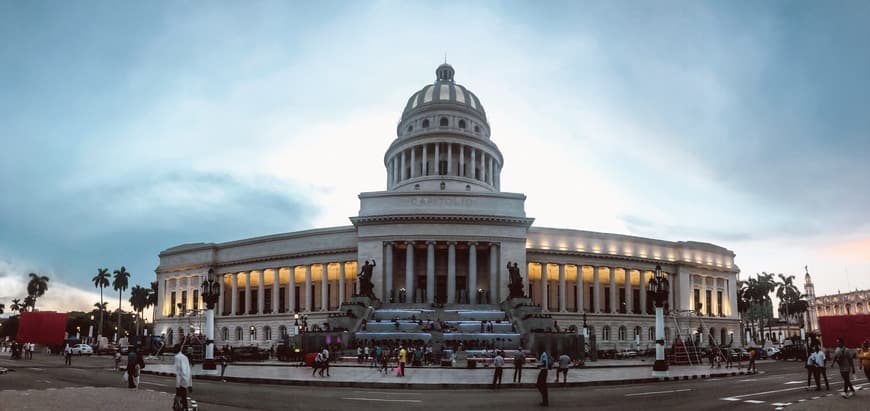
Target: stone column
(483, 166)
(579, 290)
(451, 272)
(220, 310)
(562, 289)
(461, 160)
(404, 166)
(324, 287)
(388, 272)
(340, 283)
(472, 269)
(545, 303)
(234, 302)
(732, 304)
(413, 162)
(642, 273)
(493, 274)
(291, 290)
(613, 302)
(248, 292)
(437, 159)
(424, 161)
(261, 292)
(409, 271)
(276, 287)
(449, 158)
(308, 295)
(628, 301)
(430, 272)
(473, 162)
(596, 290)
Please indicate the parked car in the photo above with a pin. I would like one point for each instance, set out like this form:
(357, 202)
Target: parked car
(739, 354)
(771, 352)
(793, 352)
(82, 349)
(249, 353)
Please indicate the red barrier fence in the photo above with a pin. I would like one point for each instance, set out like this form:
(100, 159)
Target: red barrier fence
(42, 327)
(853, 328)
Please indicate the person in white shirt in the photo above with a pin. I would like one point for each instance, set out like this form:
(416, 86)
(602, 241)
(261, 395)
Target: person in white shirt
(498, 363)
(819, 360)
(811, 367)
(183, 379)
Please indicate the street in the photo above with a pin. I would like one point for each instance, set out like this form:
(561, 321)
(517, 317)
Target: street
(777, 384)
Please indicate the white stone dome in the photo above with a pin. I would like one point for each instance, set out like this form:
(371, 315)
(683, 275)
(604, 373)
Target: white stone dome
(444, 93)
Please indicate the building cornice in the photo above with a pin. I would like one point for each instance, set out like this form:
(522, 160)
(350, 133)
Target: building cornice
(619, 257)
(442, 218)
(263, 259)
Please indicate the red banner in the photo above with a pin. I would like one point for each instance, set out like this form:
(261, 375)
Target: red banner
(42, 327)
(854, 329)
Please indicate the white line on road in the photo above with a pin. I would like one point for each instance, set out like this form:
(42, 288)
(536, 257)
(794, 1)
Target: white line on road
(388, 392)
(749, 380)
(379, 399)
(657, 392)
(793, 382)
(153, 383)
(754, 401)
(730, 399)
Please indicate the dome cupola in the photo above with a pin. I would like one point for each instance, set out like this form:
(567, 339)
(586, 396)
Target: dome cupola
(443, 141)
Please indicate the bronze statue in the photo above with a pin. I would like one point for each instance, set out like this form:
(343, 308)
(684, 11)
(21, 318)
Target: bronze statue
(365, 280)
(516, 281)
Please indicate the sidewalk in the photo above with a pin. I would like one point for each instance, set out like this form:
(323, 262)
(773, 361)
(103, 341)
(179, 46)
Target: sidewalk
(437, 377)
(91, 398)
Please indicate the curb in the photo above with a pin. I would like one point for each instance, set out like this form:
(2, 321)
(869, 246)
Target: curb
(433, 386)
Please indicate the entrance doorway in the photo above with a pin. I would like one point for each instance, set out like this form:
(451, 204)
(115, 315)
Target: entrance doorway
(440, 289)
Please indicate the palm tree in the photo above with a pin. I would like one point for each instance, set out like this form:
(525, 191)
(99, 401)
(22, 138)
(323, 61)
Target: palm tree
(16, 305)
(29, 301)
(100, 307)
(36, 287)
(152, 299)
(122, 279)
(786, 292)
(101, 280)
(2, 308)
(138, 300)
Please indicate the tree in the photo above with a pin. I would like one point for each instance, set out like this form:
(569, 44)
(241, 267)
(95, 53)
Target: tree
(29, 301)
(16, 305)
(122, 279)
(139, 300)
(36, 287)
(101, 280)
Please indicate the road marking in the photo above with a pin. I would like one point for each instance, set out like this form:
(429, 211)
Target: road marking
(730, 399)
(153, 383)
(794, 382)
(754, 401)
(781, 404)
(379, 399)
(749, 380)
(389, 392)
(657, 392)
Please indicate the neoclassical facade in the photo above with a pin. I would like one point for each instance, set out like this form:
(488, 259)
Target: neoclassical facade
(443, 232)
(849, 303)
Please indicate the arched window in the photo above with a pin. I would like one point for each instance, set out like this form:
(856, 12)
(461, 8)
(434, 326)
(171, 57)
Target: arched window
(283, 331)
(239, 334)
(443, 122)
(637, 332)
(426, 123)
(225, 334)
(267, 333)
(605, 333)
(461, 123)
(253, 332)
(622, 332)
(651, 334)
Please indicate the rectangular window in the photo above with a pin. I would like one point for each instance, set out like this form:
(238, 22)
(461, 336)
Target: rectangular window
(267, 300)
(195, 299)
(719, 302)
(296, 300)
(183, 302)
(698, 304)
(254, 301)
(635, 299)
(623, 304)
(442, 167)
(241, 303)
(607, 299)
(591, 299)
(282, 299)
(709, 302)
(172, 304)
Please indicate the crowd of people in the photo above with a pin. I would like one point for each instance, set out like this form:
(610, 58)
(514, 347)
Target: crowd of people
(19, 350)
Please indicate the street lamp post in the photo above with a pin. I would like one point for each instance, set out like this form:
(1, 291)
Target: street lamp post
(658, 289)
(210, 292)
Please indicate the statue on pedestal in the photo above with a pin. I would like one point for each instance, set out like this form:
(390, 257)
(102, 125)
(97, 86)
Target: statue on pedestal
(365, 280)
(516, 281)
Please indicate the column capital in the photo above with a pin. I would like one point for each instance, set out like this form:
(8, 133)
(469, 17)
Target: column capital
(408, 242)
(472, 243)
(453, 243)
(431, 242)
(494, 244)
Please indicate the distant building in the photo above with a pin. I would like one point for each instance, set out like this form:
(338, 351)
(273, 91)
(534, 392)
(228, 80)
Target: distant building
(850, 303)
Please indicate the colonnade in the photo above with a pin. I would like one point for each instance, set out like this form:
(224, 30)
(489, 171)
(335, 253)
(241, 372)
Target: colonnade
(452, 159)
(407, 290)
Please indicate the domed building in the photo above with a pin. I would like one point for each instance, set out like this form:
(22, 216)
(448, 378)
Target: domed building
(442, 234)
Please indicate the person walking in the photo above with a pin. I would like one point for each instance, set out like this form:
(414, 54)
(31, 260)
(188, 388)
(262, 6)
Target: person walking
(317, 364)
(541, 382)
(751, 367)
(183, 381)
(821, 366)
(134, 367)
(67, 355)
(564, 364)
(223, 367)
(864, 359)
(117, 360)
(811, 370)
(843, 359)
(403, 358)
(325, 353)
(498, 363)
(519, 361)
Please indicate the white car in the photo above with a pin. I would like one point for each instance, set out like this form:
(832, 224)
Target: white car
(771, 352)
(82, 349)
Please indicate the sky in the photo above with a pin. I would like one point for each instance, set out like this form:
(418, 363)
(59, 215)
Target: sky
(130, 127)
